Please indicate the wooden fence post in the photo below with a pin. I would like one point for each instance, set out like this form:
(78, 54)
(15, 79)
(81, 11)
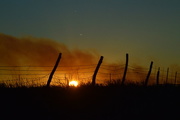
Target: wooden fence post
(125, 70)
(175, 78)
(96, 71)
(148, 75)
(110, 77)
(157, 77)
(54, 69)
(167, 76)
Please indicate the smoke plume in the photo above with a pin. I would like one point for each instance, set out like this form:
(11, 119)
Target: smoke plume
(31, 51)
(40, 52)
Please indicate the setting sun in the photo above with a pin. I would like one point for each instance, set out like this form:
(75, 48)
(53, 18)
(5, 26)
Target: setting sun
(73, 83)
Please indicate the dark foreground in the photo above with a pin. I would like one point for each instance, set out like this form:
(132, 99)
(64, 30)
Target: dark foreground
(106, 103)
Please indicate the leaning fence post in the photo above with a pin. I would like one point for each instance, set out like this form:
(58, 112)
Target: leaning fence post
(54, 69)
(148, 75)
(157, 77)
(96, 71)
(125, 70)
(167, 74)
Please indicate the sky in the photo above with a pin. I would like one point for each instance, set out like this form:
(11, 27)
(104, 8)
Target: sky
(146, 29)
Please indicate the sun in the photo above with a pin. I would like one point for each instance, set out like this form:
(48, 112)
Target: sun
(73, 83)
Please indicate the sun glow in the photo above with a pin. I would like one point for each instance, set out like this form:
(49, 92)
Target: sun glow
(73, 83)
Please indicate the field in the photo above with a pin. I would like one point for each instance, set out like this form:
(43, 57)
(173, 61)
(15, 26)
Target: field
(91, 103)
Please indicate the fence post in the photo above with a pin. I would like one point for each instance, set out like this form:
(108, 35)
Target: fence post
(110, 77)
(157, 77)
(175, 78)
(54, 69)
(125, 70)
(149, 73)
(167, 76)
(96, 71)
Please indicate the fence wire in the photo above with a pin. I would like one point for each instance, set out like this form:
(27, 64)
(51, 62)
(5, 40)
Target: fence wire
(38, 75)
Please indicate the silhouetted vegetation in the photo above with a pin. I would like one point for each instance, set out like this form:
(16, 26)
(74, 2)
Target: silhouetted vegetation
(113, 101)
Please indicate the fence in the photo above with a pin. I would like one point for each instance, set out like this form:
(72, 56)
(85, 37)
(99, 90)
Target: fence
(39, 75)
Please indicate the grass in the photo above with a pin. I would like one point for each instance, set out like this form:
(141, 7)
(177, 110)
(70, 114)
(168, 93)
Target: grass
(108, 102)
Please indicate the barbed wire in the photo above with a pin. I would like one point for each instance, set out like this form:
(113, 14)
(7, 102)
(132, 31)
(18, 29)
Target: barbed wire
(79, 71)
